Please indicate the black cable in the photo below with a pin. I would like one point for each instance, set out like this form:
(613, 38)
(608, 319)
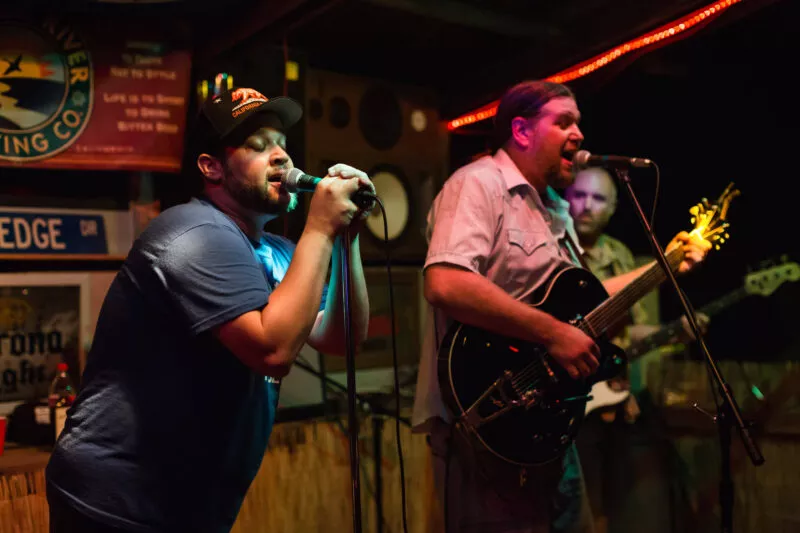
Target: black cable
(327, 383)
(333, 386)
(397, 418)
(655, 197)
(394, 365)
(447, 459)
(449, 443)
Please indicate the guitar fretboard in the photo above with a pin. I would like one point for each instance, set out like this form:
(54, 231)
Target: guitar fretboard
(609, 312)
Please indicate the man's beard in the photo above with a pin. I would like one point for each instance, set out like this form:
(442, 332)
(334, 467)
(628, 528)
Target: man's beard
(557, 180)
(257, 198)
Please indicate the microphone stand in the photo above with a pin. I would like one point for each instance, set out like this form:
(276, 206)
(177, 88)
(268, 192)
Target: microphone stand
(352, 418)
(379, 412)
(728, 411)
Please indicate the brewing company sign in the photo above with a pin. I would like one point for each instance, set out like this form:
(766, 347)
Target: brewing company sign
(45, 89)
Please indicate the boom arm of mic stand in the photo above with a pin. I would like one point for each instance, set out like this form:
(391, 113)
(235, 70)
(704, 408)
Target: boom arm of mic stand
(728, 410)
(363, 400)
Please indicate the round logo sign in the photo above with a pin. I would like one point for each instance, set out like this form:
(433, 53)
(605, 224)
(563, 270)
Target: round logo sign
(45, 89)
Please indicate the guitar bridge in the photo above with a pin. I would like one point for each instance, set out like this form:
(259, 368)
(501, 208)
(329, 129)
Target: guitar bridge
(499, 398)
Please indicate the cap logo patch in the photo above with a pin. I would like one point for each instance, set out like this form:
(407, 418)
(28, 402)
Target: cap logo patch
(248, 99)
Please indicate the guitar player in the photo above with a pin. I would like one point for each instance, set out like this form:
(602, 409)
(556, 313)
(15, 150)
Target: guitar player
(498, 230)
(624, 463)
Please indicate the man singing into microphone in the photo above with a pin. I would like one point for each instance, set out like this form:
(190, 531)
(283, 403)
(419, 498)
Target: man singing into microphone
(498, 232)
(206, 315)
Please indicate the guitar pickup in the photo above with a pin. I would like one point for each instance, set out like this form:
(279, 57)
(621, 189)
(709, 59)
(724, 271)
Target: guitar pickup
(530, 398)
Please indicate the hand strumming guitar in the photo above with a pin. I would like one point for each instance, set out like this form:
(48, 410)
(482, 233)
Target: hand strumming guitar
(574, 350)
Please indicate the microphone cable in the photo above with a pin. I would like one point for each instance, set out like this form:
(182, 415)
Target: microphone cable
(337, 388)
(655, 196)
(394, 362)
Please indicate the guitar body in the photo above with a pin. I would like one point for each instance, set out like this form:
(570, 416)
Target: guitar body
(510, 395)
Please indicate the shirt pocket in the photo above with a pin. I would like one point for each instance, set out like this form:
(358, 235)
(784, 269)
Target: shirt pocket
(527, 241)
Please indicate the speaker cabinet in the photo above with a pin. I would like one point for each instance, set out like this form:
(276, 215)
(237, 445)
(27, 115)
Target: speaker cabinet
(394, 134)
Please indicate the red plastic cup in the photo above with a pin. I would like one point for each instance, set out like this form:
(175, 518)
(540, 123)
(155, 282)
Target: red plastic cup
(3, 421)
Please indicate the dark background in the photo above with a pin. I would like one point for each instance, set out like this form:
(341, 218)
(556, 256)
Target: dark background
(716, 107)
(711, 109)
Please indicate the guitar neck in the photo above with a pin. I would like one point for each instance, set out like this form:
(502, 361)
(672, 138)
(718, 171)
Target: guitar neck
(664, 334)
(609, 312)
(725, 301)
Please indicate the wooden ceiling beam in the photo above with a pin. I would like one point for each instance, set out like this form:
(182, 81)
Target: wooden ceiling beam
(463, 14)
(274, 16)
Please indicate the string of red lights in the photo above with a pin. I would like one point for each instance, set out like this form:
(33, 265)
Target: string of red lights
(667, 31)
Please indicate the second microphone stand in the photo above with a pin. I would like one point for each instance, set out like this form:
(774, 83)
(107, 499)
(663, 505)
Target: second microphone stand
(728, 412)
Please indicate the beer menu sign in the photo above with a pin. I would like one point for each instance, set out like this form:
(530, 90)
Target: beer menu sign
(87, 95)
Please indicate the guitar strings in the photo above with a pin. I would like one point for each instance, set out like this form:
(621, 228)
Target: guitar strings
(606, 314)
(601, 318)
(523, 378)
(598, 321)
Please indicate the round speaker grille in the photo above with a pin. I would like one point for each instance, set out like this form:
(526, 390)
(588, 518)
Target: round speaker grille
(380, 117)
(391, 189)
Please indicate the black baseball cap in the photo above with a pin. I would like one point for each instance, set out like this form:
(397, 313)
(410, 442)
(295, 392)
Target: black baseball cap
(227, 119)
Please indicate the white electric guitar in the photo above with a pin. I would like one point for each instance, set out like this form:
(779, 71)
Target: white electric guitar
(762, 283)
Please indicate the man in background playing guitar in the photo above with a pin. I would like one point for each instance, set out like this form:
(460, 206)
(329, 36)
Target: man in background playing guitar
(624, 464)
(498, 231)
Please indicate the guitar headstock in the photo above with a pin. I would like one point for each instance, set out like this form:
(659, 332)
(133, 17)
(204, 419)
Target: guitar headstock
(710, 219)
(766, 281)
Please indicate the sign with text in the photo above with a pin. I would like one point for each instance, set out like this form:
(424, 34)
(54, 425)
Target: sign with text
(83, 94)
(51, 233)
(39, 328)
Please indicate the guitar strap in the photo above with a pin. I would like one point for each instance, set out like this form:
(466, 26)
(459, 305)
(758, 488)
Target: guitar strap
(568, 244)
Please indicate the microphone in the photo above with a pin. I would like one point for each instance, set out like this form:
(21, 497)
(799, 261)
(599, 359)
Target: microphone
(298, 181)
(583, 159)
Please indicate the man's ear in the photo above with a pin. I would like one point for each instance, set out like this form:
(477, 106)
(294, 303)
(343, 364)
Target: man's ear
(612, 207)
(614, 199)
(211, 168)
(521, 131)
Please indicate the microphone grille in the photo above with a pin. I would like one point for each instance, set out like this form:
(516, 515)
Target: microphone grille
(581, 158)
(291, 179)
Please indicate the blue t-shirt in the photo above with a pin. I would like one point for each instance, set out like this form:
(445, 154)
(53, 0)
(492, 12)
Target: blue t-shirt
(170, 427)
